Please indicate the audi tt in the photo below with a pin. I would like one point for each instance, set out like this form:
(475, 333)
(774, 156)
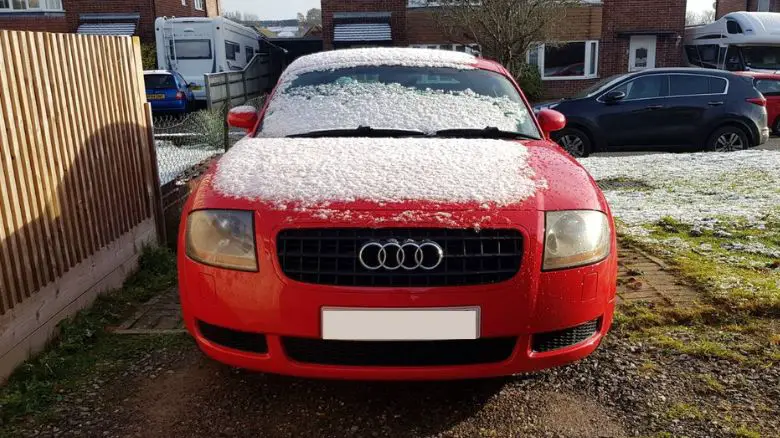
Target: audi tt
(396, 214)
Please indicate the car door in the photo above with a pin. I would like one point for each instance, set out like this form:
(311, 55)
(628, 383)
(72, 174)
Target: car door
(694, 100)
(770, 88)
(632, 121)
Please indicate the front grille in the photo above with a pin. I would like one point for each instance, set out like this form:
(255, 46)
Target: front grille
(243, 341)
(330, 256)
(564, 338)
(399, 353)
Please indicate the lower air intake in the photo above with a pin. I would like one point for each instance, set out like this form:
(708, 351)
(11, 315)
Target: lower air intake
(243, 341)
(399, 353)
(564, 338)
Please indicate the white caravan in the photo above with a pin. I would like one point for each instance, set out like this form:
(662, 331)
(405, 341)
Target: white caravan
(737, 41)
(196, 46)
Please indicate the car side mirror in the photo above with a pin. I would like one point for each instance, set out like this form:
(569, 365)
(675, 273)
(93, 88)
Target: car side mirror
(243, 117)
(551, 121)
(190, 86)
(614, 96)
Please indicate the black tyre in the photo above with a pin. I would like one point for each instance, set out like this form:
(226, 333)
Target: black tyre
(574, 141)
(728, 138)
(776, 127)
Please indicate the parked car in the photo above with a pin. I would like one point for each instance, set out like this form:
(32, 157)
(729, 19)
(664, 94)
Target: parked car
(366, 229)
(167, 91)
(664, 108)
(769, 85)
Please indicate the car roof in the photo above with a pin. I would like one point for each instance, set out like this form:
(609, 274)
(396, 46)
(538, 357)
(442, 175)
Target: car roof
(158, 72)
(385, 56)
(759, 74)
(708, 71)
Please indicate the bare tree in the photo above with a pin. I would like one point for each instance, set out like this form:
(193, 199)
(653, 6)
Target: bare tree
(313, 17)
(504, 29)
(693, 18)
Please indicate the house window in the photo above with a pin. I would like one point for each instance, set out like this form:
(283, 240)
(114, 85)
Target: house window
(184, 2)
(231, 49)
(571, 60)
(472, 49)
(30, 5)
(199, 5)
(763, 6)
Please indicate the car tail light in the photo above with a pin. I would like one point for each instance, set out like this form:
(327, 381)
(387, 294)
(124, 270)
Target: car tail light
(760, 101)
(181, 96)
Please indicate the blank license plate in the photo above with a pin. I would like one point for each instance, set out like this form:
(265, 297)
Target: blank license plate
(400, 324)
(155, 96)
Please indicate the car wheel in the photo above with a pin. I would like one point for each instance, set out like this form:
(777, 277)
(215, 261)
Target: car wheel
(727, 139)
(574, 142)
(776, 127)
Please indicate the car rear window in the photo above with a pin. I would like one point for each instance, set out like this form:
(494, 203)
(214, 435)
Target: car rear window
(159, 81)
(692, 85)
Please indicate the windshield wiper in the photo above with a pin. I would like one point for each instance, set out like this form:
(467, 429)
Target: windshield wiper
(489, 132)
(360, 131)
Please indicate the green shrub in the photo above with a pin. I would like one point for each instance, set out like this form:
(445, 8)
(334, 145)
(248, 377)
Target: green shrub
(530, 81)
(149, 56)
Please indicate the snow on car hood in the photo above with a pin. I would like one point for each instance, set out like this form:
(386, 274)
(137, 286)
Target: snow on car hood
(317, 172)
(349, 104)
(335, 59)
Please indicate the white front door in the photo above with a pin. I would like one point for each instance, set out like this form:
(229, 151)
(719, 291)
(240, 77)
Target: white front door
(641, 53)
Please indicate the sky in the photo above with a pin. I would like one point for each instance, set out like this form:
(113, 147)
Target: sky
(271, 9)
(281, 9)
(698, 5)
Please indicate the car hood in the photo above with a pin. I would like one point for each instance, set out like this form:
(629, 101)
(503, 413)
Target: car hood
(396, 180)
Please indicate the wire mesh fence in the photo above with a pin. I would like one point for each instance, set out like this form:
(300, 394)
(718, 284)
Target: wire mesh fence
(185, 141)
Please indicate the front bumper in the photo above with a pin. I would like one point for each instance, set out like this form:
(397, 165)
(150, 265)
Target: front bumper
(268, 303)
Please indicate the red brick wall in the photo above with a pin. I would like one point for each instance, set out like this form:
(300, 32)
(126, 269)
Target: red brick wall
(212, 8)
(174, 8)
(396, 7)
(36, 23)
(638, 16)
(558, 89)
(723, 7)
(74, 9)
(421, 28)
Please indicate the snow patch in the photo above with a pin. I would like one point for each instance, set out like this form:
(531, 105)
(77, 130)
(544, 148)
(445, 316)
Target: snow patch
(244, 109)
(336, 59)
(311, 172)
(351, 104)
(691, 188)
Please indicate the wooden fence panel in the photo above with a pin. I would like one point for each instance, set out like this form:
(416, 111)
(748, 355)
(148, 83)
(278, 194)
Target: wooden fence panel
(76, 169)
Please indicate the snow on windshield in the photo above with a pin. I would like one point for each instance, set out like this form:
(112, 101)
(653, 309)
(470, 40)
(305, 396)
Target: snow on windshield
(349, 104)
(335, 59)
(314, 172)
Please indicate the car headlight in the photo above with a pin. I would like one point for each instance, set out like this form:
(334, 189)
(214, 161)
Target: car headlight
(223, 238)
(575, 238)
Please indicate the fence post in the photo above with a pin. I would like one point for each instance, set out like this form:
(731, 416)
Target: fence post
(157, 204)
(225, 110)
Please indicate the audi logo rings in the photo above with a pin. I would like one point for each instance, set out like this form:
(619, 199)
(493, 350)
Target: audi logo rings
(408, 255)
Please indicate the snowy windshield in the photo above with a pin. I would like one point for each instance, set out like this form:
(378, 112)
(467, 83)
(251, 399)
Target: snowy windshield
(425, 99)
(762, 57)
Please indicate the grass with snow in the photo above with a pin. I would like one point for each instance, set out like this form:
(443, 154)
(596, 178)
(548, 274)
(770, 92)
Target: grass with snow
(715, 217)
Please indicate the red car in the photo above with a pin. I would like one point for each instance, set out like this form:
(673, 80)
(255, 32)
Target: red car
(397, 214)
(769, 85)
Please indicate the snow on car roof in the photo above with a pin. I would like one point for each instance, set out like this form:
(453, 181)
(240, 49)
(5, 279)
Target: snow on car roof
(311, 171)
(412, 57)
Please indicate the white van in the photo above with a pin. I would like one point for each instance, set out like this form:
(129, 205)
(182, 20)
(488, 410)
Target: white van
(196, 46)
(737, 41)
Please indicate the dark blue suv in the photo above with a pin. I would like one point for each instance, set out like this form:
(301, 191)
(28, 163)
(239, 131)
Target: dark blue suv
(168, 92)
(663, 109)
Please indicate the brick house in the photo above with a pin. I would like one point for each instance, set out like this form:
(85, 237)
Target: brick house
(106, 17)
(601, 37)
(723, 7)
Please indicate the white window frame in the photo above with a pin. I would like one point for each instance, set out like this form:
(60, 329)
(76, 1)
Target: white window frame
(471, 49)
(45, 6)
(590, 46)
(184, 2)
(199, 5)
